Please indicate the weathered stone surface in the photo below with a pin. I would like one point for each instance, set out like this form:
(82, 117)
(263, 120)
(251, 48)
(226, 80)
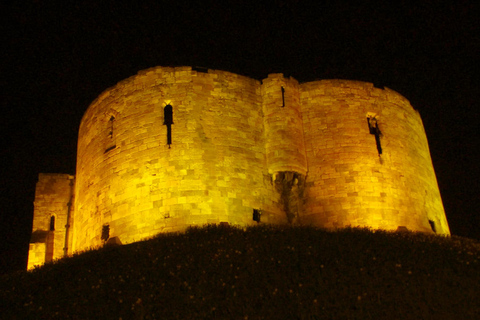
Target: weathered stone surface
(53, 194)
(232, 139)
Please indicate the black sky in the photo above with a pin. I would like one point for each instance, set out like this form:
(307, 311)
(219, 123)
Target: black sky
(58, 57)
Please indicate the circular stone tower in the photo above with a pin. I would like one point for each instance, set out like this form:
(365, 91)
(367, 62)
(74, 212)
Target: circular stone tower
(174, 147)
(368, 159)
(169, 148)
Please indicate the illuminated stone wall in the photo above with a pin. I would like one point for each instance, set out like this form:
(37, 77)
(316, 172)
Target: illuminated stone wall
(214, 171)
(284, 142)
(302, 153)
(53, 194)
(349, 182)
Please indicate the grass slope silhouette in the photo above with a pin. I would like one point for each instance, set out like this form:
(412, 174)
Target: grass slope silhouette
(270, 272)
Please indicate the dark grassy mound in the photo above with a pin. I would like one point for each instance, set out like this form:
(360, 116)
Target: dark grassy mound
(261, 272)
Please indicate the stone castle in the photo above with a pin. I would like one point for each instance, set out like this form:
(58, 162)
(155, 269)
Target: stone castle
(171, 147)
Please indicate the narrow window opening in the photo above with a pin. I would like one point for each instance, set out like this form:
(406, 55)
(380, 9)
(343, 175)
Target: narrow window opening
(256, 215)
(52, 223)
(168, 121)
(375, 130)
(105, 232)
(110, 136)
(283, 97)
(432, 225)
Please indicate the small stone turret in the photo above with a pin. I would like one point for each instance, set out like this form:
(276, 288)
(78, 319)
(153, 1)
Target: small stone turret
(282, 117)
(284, 141)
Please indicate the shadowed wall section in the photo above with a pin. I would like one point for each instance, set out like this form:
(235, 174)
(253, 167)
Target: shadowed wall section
(173, 147)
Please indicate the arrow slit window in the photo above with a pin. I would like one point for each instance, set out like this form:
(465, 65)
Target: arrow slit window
(375, 130)
(52, 223)
(168, 121)
(110, 145)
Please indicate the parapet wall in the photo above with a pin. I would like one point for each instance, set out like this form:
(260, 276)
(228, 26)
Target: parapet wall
(299, 153)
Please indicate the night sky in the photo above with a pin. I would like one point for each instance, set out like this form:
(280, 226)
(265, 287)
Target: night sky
(57, 58)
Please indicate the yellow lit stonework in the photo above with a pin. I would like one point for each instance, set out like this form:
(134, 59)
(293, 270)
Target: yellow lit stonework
(299, 153)
(52, 207)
